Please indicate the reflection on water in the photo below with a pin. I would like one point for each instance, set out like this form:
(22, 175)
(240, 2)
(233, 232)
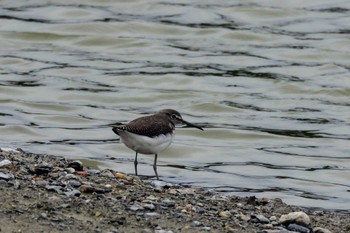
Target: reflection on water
(268, 81)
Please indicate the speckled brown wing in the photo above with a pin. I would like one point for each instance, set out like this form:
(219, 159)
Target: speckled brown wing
(149, 126)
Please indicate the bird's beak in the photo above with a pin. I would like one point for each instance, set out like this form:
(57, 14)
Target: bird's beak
(191, 125)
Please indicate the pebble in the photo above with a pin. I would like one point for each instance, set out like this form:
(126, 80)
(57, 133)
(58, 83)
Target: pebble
(73, 193)
(295, 217)
(298, 228)
(70, 170)
(107, 173)
(5, 163)
(85, 188)
(41, 183)
(40, 169)
(260, 219)
(6, 176)
(160, 185)
(135, 207)
(162, 231)
(77, 165)
(196, 224)
(206, 228)
(54, 188)
(120, 175)
(6, 149)
(320, 230)
(149, 206)
(151, 214)
(225, 214)
(93, 171)
(74, 183)
(244, 217)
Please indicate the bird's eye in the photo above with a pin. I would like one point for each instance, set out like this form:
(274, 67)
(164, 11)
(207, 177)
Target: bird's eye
(173, 116)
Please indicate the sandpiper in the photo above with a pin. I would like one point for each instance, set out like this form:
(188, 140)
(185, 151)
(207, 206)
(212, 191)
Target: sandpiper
(151, 134)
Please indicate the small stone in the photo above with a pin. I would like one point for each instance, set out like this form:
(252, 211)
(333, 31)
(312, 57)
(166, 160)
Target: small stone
(225, 214)
(298, 228)
(73, 193)
(70, 170)
(93, 171)
(320, 230)
(107, 173)
(206, 228)
(172, 191)
(54, 188)
(6, 176)
(42, 183)
(82, 173)
(120, 175)
(74, 183)
(244, 217)
(295, 217)
(5, 163)
(135, 207)
(260, 219)
(6, 149)
(147, 230)
(98, 214)
(85, 188)
(152, 214)
(40, 169)
(77, 165)
(273, 218)
(196, 224)
(149, 206)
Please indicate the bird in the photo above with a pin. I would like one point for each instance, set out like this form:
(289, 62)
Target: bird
(151, 134)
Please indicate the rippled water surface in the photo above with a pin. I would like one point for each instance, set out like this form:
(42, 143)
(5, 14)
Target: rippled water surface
(268, 80)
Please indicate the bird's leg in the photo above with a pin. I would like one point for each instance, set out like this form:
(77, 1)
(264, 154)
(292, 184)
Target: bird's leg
(155, 166)
(135, 164)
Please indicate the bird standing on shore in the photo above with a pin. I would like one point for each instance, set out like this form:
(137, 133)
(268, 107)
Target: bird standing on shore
(151, 134)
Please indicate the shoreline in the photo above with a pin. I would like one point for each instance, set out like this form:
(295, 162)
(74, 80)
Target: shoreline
(47, 193)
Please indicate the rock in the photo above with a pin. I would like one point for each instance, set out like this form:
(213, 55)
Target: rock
(225, 214)
(152, 214)
(295, 217)
(74, 183)
(244, 217)
(136, 207)
(107, 173)
(120, 175)
(41, 169)
(320, 230)
(206, 228)
(77, 165)
(298, 228)
(260, 219)
(149, 206)
(6, 149)
(54, 188)
(196, 224)
(70, 170)
(5, 163)
(85, 188)
(93, 171)
(73, 193)
(160, 185)
(6, 176)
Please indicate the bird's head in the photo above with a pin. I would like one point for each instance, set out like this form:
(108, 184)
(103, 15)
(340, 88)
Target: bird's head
(176, 118)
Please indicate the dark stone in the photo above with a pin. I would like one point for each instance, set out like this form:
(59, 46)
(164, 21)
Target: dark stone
(77, 165)
(298, 228)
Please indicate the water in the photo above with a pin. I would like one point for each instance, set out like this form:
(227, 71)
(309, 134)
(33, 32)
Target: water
(269, 81)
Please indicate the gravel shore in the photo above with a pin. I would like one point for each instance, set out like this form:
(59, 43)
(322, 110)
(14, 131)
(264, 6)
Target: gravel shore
(45, 193)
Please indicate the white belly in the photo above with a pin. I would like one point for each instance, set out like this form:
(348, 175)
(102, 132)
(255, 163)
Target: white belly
(146, 145)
